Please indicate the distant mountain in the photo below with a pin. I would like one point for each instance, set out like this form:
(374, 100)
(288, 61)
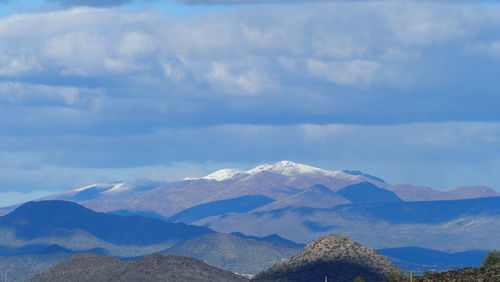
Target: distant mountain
(92, 267)
(124, 212)
(337, 258)
(418, 193)
(107, 190)
(418, 260)
(365, 192)
(316, 196)
(357, 172)
(234, 253)
(241, 204)
(106, 197)
(277, 182)
(33, 249)
(77, 228)
(285, 182)
(6, 210)
(430, 212)
(273, 238)
(445, 225)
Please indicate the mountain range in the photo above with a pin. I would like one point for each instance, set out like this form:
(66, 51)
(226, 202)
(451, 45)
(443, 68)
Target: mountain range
(77, 228)
(286, 183)
(266, 213)
(38, 235)
(301, 203)
(453, 226)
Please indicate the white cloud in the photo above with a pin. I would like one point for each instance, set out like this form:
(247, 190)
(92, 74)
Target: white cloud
(351, 73)
(96, 42)
(39, 95)
(114, 88)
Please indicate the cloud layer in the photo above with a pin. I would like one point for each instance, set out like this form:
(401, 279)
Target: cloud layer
(91, 3)
(342, 85)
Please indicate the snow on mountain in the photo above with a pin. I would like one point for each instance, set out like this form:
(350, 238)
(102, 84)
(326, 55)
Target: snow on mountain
(135, 185)
(223, 174)
(106, 190)
(286, 182)
(289, 168)
(286, 168)
(277, 181)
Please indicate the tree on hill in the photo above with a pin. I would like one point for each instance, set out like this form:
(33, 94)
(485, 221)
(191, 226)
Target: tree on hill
(493, 258)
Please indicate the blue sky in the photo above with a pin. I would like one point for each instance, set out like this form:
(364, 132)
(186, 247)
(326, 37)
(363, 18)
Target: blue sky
(407, 91)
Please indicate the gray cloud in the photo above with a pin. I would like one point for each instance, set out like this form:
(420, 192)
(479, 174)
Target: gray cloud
(442, 154)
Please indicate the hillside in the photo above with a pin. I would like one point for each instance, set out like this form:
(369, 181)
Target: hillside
(452, 226)
(336, 257)
(77, 228)
(412, 193)
(483, 273)
(233, 253)
(237, 205)
(92, 267)
(365, 192)
(316, 196)
(22, 267)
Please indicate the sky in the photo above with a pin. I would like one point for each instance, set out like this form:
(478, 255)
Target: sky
(108, 90)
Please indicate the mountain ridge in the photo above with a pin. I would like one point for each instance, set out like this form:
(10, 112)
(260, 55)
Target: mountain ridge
(277, 181)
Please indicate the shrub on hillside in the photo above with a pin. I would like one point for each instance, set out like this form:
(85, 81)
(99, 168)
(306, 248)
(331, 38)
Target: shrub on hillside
(397, 276)
(493, 258)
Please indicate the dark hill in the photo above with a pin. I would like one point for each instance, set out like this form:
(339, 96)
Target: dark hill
(141, 213)
(59, 218)
(33, 249)
(92, 267)
(365, 192)
(233, 253)
(237, 205)
(337, 257)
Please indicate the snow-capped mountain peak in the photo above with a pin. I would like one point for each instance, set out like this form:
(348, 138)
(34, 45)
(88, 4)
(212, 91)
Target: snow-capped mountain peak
(286, 168)
(223, 174)
(291, 169)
